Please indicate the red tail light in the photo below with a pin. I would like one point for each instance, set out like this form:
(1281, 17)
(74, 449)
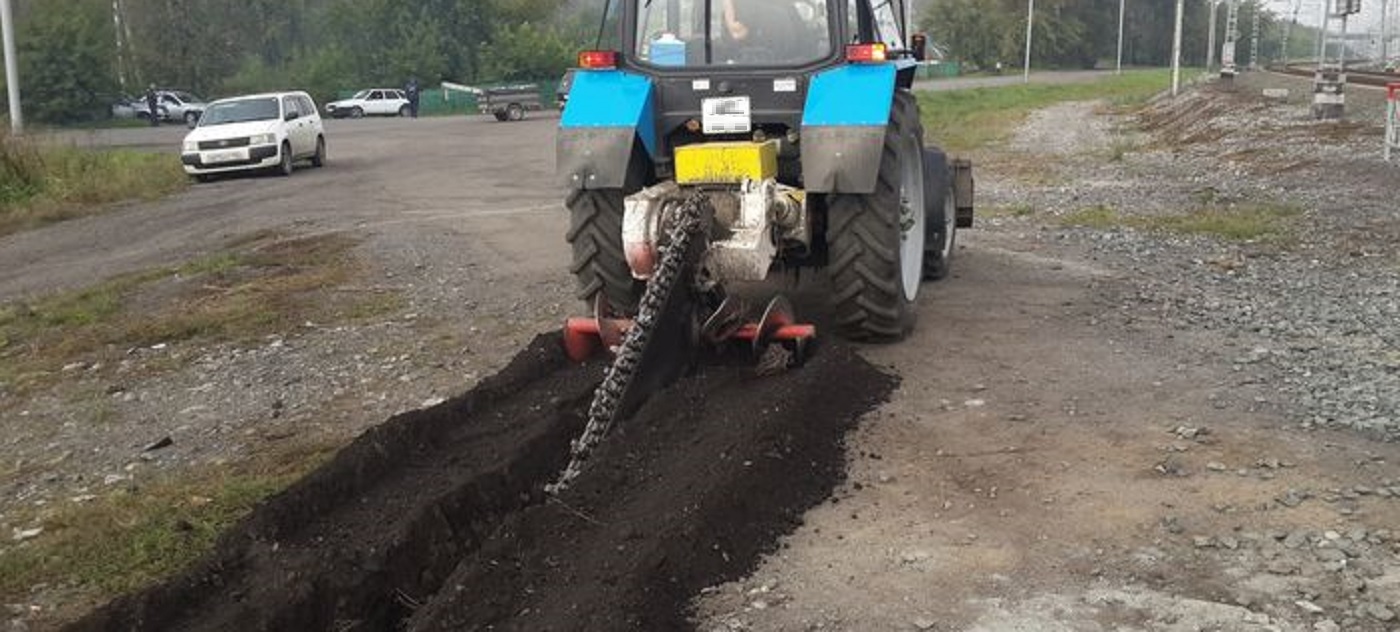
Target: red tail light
(597, 59)
(875, 52)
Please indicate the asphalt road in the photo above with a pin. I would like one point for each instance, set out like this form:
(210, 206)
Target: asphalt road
(405, 181)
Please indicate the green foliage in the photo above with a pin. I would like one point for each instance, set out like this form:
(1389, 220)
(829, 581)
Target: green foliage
(65, 52)
(526, 51)
(74, 62)
(132, 538)
(962, 120)
(41, 184)
(1078, 33)
(1245, 222)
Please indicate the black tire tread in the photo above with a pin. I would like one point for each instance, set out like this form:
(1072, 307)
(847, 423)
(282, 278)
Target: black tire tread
(936, 265)
(599, 263)
(863, 237)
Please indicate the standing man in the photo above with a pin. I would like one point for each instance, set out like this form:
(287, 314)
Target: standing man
(411, 91)
(152, 105)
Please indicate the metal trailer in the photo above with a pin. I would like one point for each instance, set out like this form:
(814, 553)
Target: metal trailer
(509, 103)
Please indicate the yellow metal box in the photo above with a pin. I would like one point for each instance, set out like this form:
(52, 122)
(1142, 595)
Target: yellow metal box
(726, 162)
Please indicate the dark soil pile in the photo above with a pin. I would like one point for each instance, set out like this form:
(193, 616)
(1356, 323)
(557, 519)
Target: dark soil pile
(436, 520)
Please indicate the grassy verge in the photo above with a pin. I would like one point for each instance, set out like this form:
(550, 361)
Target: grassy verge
(44, 184)
(1264, 222)
(143, 532)
(264, 286)
(963, 120)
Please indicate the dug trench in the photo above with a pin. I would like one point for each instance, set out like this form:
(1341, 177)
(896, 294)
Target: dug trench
(436, 519)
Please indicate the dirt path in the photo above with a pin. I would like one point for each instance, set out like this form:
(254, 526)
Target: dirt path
(1038, 470)
(1070, 451)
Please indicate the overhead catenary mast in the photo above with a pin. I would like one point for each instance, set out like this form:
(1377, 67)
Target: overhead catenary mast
(7, 31)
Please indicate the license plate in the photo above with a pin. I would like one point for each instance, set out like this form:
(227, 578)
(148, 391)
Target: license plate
(226, 155)
(726, 115)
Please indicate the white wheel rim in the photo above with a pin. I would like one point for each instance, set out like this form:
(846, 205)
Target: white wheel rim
(950, 221)
(911, 219)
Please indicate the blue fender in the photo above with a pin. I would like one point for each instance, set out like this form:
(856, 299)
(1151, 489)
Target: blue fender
(607, 112)
(843, 127)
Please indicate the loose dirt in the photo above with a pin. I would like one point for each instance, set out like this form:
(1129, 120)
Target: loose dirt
(436, 519)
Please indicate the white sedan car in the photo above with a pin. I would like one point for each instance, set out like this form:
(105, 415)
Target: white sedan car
(372, 102)
(261, 131)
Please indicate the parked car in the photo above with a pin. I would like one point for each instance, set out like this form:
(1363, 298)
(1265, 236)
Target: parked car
(371, 102)
(181, 106)
(132, 107)
(509, 103)
(255, 132)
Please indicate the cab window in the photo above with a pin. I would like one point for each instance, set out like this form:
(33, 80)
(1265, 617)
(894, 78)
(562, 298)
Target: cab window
(674, 33)
(887, 24)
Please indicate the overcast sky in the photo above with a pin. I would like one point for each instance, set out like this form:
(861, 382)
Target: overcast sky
(1369, 18)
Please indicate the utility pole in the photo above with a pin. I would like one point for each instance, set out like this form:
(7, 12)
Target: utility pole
(1287, 29)
(1210, 37)
(1228, 67)
(1122, 4)
(1030, 23)
(1254, 40)
(1385, 57)
(7, 25)
(1330, 78)
(1176, 49)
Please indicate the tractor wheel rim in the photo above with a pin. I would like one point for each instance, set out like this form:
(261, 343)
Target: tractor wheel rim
(950, 213)
(911, 219)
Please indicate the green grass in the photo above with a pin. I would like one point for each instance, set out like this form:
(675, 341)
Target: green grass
(964, 120)
(141, 533)
(1014, 210)
(1245, 222)
(41, 184)
(263, 287)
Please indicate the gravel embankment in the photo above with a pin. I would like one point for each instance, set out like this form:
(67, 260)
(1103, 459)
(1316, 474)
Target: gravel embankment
(1316, 314)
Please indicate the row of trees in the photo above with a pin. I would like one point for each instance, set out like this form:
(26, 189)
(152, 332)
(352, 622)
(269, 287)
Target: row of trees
(77, 55)
(1080, 33)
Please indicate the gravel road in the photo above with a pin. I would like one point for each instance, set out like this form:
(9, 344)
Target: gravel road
(1097, 428)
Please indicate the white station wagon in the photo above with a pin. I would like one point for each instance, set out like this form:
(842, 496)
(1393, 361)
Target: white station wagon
(372, 102)
(260, 131)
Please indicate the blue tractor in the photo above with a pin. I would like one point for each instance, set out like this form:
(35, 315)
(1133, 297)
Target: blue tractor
(789, 129)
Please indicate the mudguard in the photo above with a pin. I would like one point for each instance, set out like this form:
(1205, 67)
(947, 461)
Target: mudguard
(843, 127)
(607, 113)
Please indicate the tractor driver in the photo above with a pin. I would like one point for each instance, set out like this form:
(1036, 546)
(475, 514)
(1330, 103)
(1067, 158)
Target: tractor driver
(766, 31)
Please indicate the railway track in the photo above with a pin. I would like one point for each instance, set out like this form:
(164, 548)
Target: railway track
(1362, 77)
(437, 519)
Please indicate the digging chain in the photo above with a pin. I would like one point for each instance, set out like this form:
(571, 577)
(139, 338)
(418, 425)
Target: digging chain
(685, 222)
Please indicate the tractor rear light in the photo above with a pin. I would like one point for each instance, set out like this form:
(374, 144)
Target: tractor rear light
(866, 53)
(597, 59)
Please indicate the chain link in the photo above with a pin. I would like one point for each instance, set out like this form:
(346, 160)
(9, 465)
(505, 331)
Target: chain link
(685, 222)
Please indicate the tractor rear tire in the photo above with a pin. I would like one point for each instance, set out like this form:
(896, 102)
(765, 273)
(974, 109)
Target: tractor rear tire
(599, 264)
(941, 228)
(875, 243)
